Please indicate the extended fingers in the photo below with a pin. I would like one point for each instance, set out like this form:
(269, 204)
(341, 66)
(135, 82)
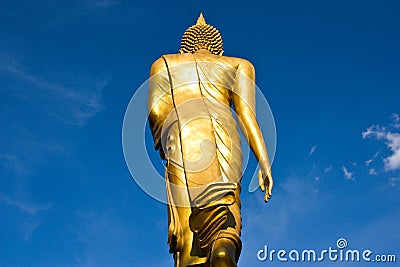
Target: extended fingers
(269, 183)
(267, 196)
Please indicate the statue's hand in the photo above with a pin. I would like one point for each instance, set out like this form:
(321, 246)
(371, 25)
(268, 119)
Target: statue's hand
(266, 182)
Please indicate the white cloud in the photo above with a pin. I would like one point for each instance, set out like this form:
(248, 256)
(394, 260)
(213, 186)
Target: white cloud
(396, 121)
(312, 150)
(392, 140)
(392, 182)
(372, 172)
(347, 174)
(368, 162)
(374, 130)
(328, 169)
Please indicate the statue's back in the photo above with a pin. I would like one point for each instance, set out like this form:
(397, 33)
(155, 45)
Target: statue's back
(191, 100)
(200, 134)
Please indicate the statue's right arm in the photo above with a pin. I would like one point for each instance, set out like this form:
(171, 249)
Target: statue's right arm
(243, 99)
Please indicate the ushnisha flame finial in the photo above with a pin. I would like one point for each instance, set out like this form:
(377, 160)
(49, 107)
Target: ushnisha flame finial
(201, 20)
(201, 36)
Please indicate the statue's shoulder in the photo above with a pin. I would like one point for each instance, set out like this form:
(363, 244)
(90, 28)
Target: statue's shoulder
(173, 59)
(157, 66)
(237, 61)
(160, 64)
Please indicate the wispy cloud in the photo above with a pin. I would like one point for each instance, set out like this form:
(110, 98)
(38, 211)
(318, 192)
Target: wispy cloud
(392, 182)
(328, 169)
(368, 162)
(101, 3)
(29, 227)
(392, 141)
(74, 105)
(374, 130)
(22, 149)
(396, 121)
(30, 136)
(24, 206)
(14, 163)
(312, 150)
(347, 174)
(32, 214)
(372, 171)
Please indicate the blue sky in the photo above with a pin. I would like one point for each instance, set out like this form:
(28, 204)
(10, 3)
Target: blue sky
(330, 72)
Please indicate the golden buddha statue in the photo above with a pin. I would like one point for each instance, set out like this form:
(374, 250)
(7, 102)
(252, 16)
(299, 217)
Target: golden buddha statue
(191, 100)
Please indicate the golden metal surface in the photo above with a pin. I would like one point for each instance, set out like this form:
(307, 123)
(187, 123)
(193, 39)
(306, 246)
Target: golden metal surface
(192, 97)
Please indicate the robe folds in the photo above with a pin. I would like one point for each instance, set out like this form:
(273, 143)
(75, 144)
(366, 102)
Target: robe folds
(194, 128)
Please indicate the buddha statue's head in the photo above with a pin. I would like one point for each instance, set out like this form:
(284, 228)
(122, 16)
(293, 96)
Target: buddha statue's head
(201, 36)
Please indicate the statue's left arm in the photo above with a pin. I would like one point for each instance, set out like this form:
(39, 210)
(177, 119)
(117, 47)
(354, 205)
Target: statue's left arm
(243, 98)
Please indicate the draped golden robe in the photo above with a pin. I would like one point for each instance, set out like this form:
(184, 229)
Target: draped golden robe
(194, 128)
